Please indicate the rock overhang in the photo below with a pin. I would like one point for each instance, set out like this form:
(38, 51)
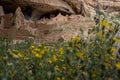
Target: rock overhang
(36, 9)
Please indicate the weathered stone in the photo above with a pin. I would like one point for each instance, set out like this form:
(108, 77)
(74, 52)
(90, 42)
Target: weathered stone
(1, 11)
(59, 18)
(90, 2)
(66, 16)
(8, 22)
(38, 7)
(1, 17)
(34, 9)
(79, 6)
(19, 18)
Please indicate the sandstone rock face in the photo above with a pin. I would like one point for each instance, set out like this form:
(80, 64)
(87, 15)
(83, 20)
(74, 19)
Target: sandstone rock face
(19, 18)
(1, 11)
(35, 9)
(38, 7)
(79, 6)
(50, 19)
(113, 5)
(90, 2)
(110, 6)
(1, 17)
(8, 20)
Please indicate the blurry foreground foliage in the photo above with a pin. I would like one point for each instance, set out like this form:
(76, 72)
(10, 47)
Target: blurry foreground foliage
(94, 58)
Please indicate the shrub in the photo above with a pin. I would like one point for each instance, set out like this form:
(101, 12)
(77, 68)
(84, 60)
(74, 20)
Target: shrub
(94, 58)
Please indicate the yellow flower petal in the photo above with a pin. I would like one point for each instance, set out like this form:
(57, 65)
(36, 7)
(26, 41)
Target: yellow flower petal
(37, 55)
(116, 39)
(100, 34)
(32, 47)
(105, 24)
(15, 56)
(58, 78)
(76, 39)
(50, 61)
(57, 68)
(54, 59)
(117, 65)
(80, 55)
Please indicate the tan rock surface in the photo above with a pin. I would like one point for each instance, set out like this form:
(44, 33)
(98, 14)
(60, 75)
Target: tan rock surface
(50, 20)
(38, 7)
(1, 17)
(1, 11)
